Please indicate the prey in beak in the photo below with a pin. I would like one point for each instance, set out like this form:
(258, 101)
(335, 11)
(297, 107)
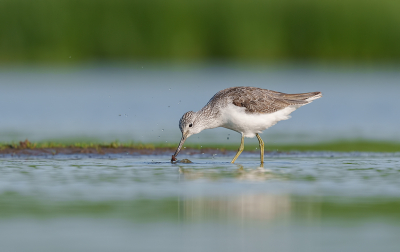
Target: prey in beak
(183, 139)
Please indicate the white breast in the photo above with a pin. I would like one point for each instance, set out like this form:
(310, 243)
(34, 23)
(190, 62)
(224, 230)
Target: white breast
(235, 118)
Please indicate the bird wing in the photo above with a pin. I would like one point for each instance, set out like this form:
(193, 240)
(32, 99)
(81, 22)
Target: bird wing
(257, 100)
(297, 97)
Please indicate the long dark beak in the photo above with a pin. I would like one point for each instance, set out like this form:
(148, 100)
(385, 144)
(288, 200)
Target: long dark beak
(183, 139)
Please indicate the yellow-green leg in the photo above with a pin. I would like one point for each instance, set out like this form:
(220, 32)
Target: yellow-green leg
(261, 148)
(241, 148)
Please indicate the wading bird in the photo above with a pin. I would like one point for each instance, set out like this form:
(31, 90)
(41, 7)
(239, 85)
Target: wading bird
(247, 110)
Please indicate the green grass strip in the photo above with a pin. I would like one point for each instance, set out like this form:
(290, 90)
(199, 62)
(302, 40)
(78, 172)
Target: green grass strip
(339, 146)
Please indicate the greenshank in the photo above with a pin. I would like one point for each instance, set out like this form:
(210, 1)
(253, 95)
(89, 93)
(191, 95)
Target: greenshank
(247, 110)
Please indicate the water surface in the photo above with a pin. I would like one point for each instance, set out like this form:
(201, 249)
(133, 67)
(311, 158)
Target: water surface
(296, 202)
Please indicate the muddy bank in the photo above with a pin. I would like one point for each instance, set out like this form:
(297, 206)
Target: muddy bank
(26, 148)
(104, 151)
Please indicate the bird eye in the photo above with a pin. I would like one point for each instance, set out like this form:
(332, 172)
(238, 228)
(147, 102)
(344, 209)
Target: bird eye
(190, 125)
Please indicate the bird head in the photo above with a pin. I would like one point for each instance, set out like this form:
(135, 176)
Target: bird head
(188, 127)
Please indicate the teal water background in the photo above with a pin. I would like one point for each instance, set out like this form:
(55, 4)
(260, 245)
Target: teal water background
(144, 103)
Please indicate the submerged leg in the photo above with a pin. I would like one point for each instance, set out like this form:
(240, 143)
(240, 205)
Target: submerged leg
(241, 148)
(261, 148)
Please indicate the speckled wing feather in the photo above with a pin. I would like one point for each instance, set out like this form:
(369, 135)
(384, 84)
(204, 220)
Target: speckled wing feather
(258, 100)
(298, 97)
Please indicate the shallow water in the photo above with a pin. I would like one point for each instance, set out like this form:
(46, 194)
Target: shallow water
(315, 201)
(144, 103)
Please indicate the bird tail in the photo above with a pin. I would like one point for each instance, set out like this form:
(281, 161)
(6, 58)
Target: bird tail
(303, 98)
(313, 96)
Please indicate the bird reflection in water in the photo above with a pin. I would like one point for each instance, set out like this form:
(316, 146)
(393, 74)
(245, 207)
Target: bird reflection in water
(246, 174)
(246, 207)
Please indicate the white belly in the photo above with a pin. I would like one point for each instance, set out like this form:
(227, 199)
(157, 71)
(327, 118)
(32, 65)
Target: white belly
(235, 118)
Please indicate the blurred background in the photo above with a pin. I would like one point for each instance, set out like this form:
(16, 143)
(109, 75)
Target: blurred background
(47, 31)
(128, 69)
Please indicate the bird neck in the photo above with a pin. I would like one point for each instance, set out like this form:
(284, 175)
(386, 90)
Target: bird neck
(208, 118)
